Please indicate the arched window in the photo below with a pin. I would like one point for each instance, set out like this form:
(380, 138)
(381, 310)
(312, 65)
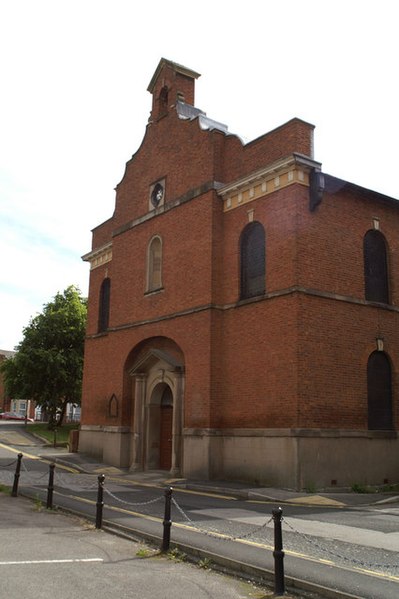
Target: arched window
(375, 267)
(113, 406)
(252, 253)
(163, 101)
(103, 310)
(154, 266)
(379, 392)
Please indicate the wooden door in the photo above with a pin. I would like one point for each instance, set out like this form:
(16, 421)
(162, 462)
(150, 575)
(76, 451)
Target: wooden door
(166, 429)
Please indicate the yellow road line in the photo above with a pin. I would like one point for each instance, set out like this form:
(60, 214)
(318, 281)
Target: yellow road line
(32, 457)
(175, 489)
(295, 503)
(378, 574)
(242, 541)
(204, 494)
(41, 459)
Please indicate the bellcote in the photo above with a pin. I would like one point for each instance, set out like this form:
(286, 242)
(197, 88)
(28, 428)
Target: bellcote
(171, 83)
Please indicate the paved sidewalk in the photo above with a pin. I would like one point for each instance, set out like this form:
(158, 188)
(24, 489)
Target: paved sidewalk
(86, 464)
(48, 554)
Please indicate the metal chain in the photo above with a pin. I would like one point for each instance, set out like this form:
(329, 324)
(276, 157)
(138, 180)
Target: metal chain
(216, 533)
(311, 541)
(130, 502)
(8, 465)
(29, 472)
(207, 531)
(63, 483)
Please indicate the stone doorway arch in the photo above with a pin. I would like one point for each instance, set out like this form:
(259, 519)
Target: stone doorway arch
(158, 403)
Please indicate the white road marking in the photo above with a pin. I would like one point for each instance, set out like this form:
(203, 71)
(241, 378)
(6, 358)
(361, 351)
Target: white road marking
(340, 532)
(52, 561)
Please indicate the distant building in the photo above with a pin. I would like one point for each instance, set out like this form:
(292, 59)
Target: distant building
(72, 414)
(243, 318)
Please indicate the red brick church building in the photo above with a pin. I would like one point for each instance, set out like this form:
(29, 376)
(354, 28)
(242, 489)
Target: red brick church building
(243, 309)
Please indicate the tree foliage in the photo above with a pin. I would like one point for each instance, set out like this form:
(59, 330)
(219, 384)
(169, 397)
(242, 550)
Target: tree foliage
(48, 363)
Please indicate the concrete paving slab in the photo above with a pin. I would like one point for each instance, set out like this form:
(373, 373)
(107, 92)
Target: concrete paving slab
(18, 438)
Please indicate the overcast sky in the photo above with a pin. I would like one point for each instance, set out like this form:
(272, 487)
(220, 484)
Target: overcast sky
(74, 106)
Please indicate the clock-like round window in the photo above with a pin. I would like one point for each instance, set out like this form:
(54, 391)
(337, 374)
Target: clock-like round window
(157, 195)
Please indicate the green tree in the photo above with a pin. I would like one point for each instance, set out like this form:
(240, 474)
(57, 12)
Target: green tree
(48, 365)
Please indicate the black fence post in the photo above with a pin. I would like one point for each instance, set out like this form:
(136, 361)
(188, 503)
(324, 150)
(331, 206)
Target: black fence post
(14, 492)
(167, 523)
(278, 553)
(100, 502)
(50, 487)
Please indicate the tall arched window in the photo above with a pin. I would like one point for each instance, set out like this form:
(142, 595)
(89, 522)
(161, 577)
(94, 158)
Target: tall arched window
(252, 253)
(104, 303)
(379, 392)
(375, 267)
(163, 101)
(154, 267)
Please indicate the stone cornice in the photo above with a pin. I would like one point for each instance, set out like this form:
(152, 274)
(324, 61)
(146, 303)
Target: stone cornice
(295, 289)
(99, 256)
(178, 68)
(191, 194)
(281, 173)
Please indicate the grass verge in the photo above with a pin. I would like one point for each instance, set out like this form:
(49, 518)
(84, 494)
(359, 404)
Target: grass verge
(42, 430)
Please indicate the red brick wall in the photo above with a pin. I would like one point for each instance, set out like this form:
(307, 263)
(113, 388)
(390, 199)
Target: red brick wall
(296, 358)
(336, 339)
(278, 215)
(293, 136)
(106, 358)
(186, 234)
(172, 148)
(330, 242)
(257, 370)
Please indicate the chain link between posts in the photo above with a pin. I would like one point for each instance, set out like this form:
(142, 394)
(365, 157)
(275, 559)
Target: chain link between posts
(133, 503)
(352, 560)
(216, 533)
(61, 478)
(8, 465)
(34, 479)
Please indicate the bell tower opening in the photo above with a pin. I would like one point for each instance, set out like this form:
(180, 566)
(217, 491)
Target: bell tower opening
(170, 83)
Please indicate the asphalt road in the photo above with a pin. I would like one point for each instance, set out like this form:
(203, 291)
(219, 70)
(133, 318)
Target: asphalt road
(46, 554)
(353, 550)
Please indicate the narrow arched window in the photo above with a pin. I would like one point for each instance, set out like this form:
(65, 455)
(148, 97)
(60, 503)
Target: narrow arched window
(379, 392)
(154, 268)
(104, 303)
(375, 267)
(163, 101)
(252, 253)
(113, 406)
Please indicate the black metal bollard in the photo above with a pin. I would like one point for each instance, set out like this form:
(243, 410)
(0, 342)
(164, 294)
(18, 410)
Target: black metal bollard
(100, 502)
(278, 553)
(50, 487)
(167, 523)
(14, 492)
